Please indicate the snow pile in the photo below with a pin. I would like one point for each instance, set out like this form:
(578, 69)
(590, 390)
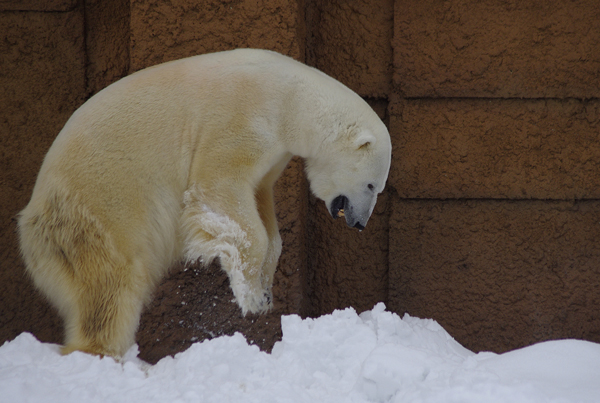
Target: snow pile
(342, 357)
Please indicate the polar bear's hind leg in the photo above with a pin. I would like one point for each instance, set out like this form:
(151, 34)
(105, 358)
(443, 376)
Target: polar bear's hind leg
(76, 265)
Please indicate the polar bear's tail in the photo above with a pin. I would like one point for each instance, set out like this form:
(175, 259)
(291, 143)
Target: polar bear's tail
(75, 264)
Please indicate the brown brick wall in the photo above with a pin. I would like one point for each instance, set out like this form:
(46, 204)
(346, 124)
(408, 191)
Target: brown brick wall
(489, 220)
(491, 201)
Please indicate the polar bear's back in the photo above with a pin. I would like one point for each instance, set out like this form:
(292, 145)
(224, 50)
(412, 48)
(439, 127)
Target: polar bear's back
(158, 113)
(148, 122)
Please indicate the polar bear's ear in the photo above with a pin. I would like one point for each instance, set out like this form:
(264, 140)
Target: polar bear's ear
(363, 140)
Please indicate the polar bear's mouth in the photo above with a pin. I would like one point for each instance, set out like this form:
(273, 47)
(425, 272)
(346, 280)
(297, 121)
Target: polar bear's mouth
(341, 207)
(338, 205)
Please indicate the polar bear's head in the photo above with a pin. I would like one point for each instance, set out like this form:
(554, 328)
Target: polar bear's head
(350, 168)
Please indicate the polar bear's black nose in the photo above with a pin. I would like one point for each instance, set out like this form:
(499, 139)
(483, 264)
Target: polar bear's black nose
(359, 226)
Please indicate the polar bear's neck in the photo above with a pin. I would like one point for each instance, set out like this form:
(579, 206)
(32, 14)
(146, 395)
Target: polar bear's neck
(315, 111)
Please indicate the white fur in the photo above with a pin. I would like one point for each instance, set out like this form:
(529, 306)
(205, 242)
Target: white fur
(178, 161)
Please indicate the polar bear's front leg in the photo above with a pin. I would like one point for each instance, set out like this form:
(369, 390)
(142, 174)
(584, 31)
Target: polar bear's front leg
(218, 224)
(266, 209)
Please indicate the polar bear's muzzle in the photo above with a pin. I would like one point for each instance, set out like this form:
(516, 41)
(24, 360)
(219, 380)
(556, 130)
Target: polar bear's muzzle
(355, 218)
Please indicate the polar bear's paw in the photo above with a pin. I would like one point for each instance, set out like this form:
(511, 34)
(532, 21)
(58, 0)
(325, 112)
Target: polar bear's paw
(262, 304)
(252, 299)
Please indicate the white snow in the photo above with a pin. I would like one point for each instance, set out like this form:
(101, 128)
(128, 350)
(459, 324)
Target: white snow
(342, 357)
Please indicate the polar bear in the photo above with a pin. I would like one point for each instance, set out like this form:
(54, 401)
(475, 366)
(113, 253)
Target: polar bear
(178, 161)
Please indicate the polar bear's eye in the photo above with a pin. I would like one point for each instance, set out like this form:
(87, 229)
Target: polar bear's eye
(370, 186)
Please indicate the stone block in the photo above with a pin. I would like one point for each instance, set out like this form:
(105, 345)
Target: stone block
(162, 31)
(351, 41)
(498, 274)
(482, 148)
(107, 42)
(505, 49)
